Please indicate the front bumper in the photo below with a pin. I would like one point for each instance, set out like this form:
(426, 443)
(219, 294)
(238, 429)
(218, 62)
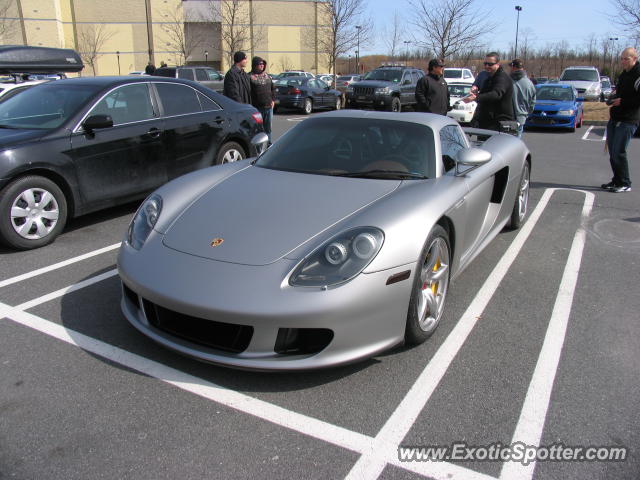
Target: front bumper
(365, 316)
(371, 101)
(290, 102)
(461, 116)
(551, 121)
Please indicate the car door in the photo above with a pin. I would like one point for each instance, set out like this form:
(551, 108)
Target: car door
(125, 160)
(327, 98)
(407, 88)
(316, 93)
(193, 127)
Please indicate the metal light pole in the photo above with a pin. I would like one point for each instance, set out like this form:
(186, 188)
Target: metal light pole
(206, 56)
(613, 50)
(349, 63)
(118, 57)
(406, 48)
(518, 9)
(358, 27)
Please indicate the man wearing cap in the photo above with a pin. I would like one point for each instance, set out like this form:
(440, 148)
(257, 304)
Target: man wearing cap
(432, 94)
(237, 85)
(524, 94)
(495, 99)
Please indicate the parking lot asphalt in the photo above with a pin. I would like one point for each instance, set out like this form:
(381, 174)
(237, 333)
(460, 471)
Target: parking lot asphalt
(539, 346)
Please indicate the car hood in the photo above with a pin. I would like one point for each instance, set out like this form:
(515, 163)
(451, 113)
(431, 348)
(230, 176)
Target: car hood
(578, 83)
(10, 137)
(553, 105)
(262, 214)
(373, 83)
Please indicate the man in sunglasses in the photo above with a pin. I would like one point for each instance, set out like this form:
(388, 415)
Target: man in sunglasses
(495, 98)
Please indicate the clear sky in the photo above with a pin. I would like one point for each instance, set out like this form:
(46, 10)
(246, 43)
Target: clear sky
(544, 21)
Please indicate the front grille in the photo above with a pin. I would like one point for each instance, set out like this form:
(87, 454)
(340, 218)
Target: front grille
(363, 91)
(295, 341)
(209, 333)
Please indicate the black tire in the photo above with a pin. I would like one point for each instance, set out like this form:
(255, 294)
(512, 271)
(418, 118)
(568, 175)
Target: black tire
(521, 202)
(42, 222)
(230, 152)
(307, 108)
(432, 273)
(396, 106)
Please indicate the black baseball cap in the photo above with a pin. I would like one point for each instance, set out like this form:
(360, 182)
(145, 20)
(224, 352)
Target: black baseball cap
(435, 63)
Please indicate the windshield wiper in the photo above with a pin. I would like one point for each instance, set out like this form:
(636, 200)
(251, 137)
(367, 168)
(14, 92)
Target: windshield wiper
(382, 174)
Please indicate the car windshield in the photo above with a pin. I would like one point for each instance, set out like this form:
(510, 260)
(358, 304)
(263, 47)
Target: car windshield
(580, 75)
(554, 93)
(452, 73)
(384, 74)
(294, 81)
(44, 106)
(606, 84)
(459, 90)
(355, 147)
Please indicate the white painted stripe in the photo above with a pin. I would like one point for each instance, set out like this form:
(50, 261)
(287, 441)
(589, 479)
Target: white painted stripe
(384, 450)
(63, 291)
(534, 411)
(586, 134)
(58, 265)
(258, 408)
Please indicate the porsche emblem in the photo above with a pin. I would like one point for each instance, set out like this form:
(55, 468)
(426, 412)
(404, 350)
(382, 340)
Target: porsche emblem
(217, 242)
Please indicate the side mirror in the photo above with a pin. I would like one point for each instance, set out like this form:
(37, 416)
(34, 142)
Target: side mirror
(472, 157)
(260, 142)
(95, 122)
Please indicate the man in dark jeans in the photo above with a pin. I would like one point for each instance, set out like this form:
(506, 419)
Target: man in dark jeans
(624, 116)
(263, 92)
(495, 99)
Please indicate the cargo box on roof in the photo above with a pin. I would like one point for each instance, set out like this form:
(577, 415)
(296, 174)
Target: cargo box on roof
(24, 59)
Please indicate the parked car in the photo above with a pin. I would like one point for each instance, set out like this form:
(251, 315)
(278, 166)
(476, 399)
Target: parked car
(13, 87)
(296, 73)
(74, 146)
(306, 94)
(586, 80)
(462, 112)
(205, 75)
(326, 78)
(343, 81)
(349, 231)
(389, 87)
(557, 106)
(458, 75)
(540, 80)
(607, 90)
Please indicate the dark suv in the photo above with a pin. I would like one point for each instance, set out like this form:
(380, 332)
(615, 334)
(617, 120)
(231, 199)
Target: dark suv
(385, 88)
(205, 75)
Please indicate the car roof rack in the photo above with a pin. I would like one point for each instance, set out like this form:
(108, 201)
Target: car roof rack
(20, 59)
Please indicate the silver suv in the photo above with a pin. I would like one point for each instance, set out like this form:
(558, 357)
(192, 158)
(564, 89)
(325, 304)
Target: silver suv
(586, 81)
(204, 75)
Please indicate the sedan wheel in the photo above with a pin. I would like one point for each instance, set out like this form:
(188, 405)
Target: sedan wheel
(429, 288)
(338, 103)
(307, 107)
(396, 106)
(522, 199)
(33, 212)
(230, 152)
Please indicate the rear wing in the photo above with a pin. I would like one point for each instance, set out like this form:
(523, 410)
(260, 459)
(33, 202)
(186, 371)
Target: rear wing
(25, 59)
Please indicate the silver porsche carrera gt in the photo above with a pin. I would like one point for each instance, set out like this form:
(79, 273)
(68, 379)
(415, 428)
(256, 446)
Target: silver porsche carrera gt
(335, 244)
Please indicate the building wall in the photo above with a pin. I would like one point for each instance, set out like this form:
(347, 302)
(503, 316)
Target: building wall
(283, 31)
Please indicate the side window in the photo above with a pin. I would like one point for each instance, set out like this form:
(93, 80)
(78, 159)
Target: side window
(130, 103)
(415, 77)
(201, 74)
(452, 140)
(207, 103)
(214, 75)
(321, 84)
(185, 73)
(312, 83)
(178, 99)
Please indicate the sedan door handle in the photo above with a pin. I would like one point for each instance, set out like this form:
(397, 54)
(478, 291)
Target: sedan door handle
(219, 120)
(154, 132)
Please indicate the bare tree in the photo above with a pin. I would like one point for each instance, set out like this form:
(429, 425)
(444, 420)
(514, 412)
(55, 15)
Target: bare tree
(180, 39)
(393, 36)
(8, 26)
(627, 15)
(91, 40)
(285, 63)
(449, 26)
(348, 28)
(235, 20)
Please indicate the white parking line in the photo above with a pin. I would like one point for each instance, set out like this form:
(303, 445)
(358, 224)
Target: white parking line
(534, 411)
(586, 135)
(55, 266)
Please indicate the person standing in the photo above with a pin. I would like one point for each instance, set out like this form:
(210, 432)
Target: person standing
(263, 92)
(150, 68)
(236, 81)
(524, 94)
(432, 93)
(495, 98)
(624, 116)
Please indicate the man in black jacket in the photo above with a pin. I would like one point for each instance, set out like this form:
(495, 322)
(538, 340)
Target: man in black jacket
(624, 116)
(495, 99)
(236, 82)
(432, 93)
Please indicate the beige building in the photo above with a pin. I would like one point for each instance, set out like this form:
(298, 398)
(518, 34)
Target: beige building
(121, 36)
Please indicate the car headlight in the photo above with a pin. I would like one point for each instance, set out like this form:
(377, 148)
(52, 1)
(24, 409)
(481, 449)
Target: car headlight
(566, 112)
(339, 259)
(592, 89)
(143, 221)
(383, 91)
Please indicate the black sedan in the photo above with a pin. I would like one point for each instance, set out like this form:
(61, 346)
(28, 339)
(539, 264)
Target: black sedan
(306, 94)
(78, 145)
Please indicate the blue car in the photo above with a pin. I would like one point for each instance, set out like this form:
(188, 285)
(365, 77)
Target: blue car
(557, 106)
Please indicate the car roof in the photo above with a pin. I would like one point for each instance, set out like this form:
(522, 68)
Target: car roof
(429, 119)
(558, 85)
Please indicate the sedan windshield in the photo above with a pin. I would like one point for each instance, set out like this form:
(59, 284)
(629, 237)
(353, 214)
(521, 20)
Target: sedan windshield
(459, 90)
(44, 106)
(555, 93)
(580, 75)
(355, 147)
(386, 75)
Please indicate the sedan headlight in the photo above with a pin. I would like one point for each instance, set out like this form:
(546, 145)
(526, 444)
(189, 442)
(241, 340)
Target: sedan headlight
(143, 221)
(339, 259)
(567, 113)
(383, 91)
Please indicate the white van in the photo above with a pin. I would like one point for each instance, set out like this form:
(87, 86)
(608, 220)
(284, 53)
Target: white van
(586, 81)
